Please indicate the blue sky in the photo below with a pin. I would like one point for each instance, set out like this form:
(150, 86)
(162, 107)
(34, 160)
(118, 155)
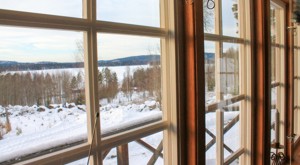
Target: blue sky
(33, 45)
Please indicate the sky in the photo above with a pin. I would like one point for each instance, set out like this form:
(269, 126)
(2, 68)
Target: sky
(35, 45)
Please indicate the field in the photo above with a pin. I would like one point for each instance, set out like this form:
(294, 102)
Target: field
(39, 128)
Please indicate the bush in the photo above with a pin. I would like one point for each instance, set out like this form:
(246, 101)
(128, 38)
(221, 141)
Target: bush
(19, 131)
(1, 130)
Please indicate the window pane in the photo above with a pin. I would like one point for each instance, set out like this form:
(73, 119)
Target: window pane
(210, 83)
(232, 133)
(222, 83)
(229, 70)
(139, 151)
(82, 161)
(69, 8)
(129, 81)
(273, 111)
(230, 18)
(145, 12)
(42, 101)
(209, 17)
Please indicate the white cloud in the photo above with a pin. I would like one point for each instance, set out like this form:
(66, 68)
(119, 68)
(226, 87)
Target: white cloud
(32, 45)
(141, 12)
(111, 46)
(71, 8)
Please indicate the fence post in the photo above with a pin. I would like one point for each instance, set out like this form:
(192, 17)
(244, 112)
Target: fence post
(219, 137)
(122, 154)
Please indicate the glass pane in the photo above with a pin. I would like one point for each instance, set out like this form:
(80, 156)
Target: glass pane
(129, 81)
(230, 18)
(82, 161)
(274, 107)
(42, 101)
(209, 17)
(139, 151)
(273, 25)
(231, 132)
(229, 71)
(277, 76)
(69, 8)
(145, 12)
(228, 65)
(210, 84)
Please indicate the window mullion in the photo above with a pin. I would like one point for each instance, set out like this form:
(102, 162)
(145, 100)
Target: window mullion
(91, 67)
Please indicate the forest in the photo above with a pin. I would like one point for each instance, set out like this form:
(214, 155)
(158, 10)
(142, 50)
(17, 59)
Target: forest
(61, 87)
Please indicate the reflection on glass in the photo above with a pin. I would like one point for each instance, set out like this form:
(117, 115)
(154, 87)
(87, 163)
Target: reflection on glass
(230, 18)
(139, 151)
(69, 8)
(42, 102)
(82, 161)
(145, 12)
(273, 111)
(210, 83)
(208, 18)
(229, 86)
(129, 81)
(231, 136)
(229, 70)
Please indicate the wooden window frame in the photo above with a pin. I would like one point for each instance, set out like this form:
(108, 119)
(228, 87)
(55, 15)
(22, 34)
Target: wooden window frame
(91, 27)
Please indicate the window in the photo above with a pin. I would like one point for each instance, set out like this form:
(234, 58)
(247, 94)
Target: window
(277, 71)
(297, 78)
(227, 77)
(42, 91)
(64, 70)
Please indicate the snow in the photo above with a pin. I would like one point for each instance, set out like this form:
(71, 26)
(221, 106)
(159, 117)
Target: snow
(51, 128)
(57, 126)
(60, 126)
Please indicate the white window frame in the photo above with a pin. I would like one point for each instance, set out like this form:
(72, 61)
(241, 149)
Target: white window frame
(279, 46)
(91, 27)
(244, 41)
(297, 83)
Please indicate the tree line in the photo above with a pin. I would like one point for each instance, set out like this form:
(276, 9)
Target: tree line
(61, 87)
(40, 88)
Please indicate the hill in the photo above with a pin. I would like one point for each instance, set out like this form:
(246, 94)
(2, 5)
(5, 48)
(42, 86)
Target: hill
(131, 60)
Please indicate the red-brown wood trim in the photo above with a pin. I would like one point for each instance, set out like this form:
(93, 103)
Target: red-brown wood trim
(262, 82)
(289, 79)
(193, 105)
(181, 83)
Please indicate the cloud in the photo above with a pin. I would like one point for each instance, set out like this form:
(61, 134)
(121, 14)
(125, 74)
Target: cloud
(33, 45)
(141, 12)
(111, 46)
(71, 8)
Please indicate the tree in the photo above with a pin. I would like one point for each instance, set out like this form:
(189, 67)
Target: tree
(107, 84)
(231, 56)
(207, 16)
(127, 83)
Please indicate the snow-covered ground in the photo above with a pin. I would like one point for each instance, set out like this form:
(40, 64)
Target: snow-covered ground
(36, 129)
(39, 128)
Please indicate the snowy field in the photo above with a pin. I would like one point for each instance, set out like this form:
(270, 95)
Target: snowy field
(60, 126)
(41, 128)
